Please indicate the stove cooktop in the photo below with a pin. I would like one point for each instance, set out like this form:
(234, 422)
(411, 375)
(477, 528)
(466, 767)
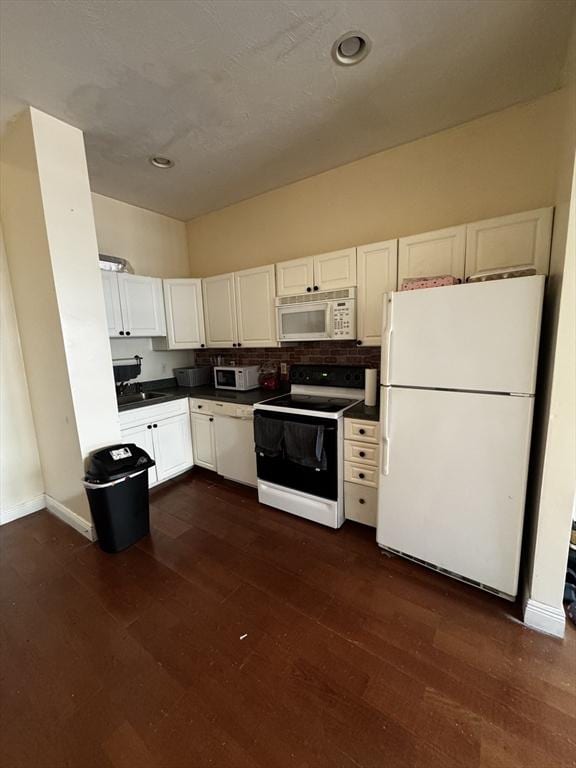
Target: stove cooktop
(311, 403)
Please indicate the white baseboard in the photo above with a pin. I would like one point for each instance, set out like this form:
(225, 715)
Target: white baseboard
(544, 618)
(23, 509)
(70, 518)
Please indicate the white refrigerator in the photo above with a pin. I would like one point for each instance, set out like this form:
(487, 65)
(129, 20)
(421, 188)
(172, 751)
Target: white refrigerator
(458, 378)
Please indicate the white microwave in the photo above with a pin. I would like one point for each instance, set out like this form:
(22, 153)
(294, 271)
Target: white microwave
(226, 377)
(317, 316)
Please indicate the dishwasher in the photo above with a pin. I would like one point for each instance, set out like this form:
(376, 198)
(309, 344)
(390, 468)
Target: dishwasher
(234, 432)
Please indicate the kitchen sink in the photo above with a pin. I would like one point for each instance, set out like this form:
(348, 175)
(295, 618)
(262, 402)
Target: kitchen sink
(138, 397)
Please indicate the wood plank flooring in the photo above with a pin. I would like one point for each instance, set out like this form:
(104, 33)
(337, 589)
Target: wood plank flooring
(238, 636)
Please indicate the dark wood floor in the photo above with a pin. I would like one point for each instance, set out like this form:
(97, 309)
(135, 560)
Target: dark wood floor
(238, 636)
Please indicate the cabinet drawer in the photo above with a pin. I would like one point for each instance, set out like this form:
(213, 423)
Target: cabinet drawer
(360, 504)
(202, 406)
(148, 413)
(357, 473)
(362, 431)
(361, 453)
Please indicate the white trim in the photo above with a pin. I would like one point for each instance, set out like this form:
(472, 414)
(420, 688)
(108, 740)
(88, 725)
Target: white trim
(70, 518)
(22, 509)
(544, 618)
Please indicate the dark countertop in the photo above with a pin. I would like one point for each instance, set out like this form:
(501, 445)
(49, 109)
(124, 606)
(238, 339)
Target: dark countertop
(174, 392)
(362, 411)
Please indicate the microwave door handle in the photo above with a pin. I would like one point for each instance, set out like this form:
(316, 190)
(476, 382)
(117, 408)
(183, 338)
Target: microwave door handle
(329, 321)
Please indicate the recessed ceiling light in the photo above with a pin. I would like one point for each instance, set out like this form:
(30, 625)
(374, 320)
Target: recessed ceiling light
(162, 162)
(351, 48)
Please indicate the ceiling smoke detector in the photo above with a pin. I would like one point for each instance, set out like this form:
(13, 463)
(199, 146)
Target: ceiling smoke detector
(161, 162)
(351, 48)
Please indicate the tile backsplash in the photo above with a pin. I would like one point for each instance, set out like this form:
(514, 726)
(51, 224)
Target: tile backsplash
(329, 352)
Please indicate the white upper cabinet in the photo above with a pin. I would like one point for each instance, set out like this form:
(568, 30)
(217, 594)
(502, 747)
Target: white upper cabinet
(112, 303)
(295, 276)
(184, 314)
(324, 272)
(256, 317)
(335, 270)
(220, 311)
(518, 241)
(134, 304)
(377, 275)
(432, 253)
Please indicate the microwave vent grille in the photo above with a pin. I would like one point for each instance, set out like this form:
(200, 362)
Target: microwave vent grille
(305, 298)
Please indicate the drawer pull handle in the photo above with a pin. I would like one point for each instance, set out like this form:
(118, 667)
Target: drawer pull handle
(362, 454)
(199, 407)
(361, 475)
(362, 431)
(361, 501)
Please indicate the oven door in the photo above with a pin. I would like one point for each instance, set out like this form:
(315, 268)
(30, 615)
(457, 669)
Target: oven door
(226, 378)
(280, 471)
(305, 322)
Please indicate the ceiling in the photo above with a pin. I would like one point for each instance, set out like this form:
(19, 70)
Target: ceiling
(245, 97)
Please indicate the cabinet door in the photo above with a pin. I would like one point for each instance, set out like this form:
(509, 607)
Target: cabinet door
(184, 313)
(112, 303)
(203, 440)
(335, 270)
(519, 241)
(377, 275)
(255, 307)
(295, 276)
(142, 305)
(141, 435)
(432, 254)
(172, 445)
(220, 310)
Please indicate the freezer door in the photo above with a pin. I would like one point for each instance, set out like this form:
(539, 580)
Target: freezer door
(453, 481)
(479, 336)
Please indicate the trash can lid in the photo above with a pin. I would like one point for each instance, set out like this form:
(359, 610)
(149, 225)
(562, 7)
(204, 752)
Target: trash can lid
(116, 461)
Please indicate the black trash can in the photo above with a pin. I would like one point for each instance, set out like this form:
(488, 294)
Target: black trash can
(116, 483)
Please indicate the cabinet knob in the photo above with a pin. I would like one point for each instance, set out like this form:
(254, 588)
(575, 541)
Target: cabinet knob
(149, 426)
(361, 501)
(202, 345)
(359, 343)
(362, 454)
(316, 288)
(239, 344)
(233, 343)
(121, 333)
(309, 289)
(156, 427)
(199, 407)
(361, 431)
(211, 418)
(360, 474)
(127, 333)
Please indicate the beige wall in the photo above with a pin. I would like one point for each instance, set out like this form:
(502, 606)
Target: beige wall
(21, 481)
(53, 259)
(499, 164)
(154, 244)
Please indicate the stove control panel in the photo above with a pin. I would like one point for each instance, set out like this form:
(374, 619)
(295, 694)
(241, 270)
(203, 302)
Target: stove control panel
(328, 375)
(344, 320)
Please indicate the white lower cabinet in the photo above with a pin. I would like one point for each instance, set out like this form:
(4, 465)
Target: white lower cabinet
(203, 440)
(141, 435)
(172, 446)
(164, 432)
(361, 470)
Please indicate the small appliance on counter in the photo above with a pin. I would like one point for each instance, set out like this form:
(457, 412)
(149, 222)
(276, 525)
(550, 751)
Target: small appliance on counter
(241, 379)
(192, 376)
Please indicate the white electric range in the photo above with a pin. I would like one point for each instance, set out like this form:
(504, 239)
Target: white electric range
(319, 396)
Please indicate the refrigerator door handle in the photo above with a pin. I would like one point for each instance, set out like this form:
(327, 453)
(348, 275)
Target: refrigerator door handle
(384, 422)
(387, 332)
